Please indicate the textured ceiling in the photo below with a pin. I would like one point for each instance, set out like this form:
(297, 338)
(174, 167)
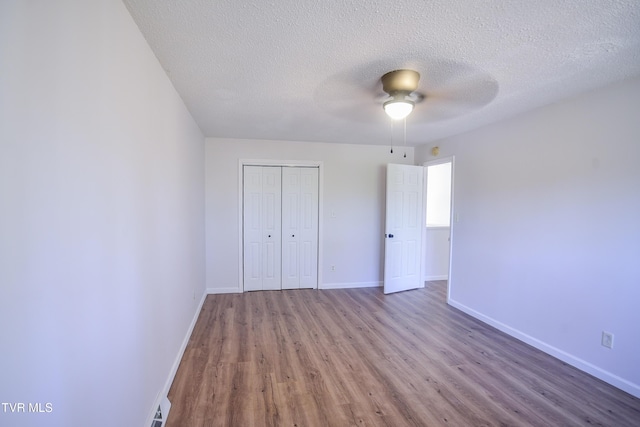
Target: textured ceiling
(309, 70)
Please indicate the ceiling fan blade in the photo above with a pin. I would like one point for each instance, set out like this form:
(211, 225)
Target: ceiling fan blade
(354, 96)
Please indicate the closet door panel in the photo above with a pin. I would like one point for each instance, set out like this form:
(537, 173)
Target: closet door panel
(309, 228)
(252, 223)
(290, 228)
(272, 227)
(262, 229)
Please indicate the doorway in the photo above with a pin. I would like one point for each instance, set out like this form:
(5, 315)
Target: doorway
(438, 218)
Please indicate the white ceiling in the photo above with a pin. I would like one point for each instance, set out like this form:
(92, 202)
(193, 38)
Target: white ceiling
(309, 70)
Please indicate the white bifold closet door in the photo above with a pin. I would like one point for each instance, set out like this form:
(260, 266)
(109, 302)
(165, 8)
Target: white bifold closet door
(299, 227)
(262, 228)
(280, 227)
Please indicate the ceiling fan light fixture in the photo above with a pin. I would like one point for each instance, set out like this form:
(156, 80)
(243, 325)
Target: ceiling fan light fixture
(398, 108)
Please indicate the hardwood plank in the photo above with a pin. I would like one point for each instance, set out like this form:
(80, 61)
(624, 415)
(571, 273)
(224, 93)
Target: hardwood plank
(357, 357)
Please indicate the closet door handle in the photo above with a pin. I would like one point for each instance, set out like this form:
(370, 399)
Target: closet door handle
(269, 235)
(293, 235)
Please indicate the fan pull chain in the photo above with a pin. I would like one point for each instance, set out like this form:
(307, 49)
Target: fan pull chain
(404, 133)
(391, 136)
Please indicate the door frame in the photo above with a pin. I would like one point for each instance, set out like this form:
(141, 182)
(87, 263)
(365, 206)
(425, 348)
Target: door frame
(452, 215)
(281, 163)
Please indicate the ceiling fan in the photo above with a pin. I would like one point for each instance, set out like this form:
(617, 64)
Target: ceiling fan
(401, 86)
(442, 89)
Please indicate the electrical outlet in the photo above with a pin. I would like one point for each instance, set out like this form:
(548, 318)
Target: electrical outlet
(333, 268)
(607, 339)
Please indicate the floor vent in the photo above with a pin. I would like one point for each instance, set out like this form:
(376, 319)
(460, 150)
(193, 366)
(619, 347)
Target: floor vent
(160, 415)
(158, 420)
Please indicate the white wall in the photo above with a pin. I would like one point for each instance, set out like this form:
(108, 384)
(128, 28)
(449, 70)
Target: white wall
(548, 239)
(101, 218)
(353, 190)
(436, 253)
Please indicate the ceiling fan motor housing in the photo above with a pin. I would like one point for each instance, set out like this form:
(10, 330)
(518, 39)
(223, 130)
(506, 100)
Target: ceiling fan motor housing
(400, 82)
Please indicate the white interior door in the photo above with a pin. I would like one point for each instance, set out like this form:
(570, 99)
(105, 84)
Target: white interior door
(299, 227)
(404, 228)
(262, 232)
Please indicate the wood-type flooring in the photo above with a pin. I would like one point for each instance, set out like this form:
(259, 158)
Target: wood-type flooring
(357, 357)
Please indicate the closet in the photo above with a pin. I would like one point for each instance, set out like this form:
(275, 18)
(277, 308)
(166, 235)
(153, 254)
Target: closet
(280, 227)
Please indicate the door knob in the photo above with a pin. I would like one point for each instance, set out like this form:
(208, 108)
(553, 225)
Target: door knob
(269, 235)
(293, 235)
(391, 236)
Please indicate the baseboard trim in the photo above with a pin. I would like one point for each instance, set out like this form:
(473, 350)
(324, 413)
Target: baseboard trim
(230, 290)
(183, 347)
(606, 376)
(350, 285)
(162, 399)
(440, 277)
